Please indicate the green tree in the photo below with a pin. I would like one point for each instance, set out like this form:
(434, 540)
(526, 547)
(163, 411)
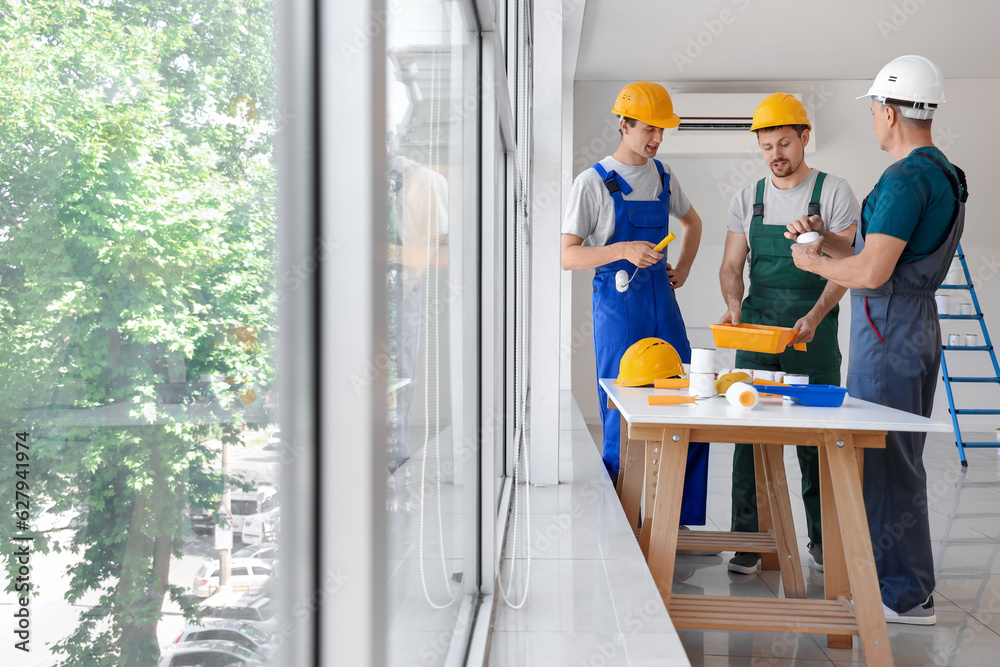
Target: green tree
(137, 254)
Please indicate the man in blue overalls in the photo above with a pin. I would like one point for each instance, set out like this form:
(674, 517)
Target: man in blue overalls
(782, 295)
(618, 211)
(910, 227)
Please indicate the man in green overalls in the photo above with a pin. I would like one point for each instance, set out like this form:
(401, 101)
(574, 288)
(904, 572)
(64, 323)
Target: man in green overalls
(780, 294)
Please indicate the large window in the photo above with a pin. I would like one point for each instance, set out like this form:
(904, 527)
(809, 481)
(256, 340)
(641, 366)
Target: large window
(432, 445)
(137, 321)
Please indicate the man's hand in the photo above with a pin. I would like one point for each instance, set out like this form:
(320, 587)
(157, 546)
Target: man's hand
(732, 316)
(677, 276)
(807, 223)
(806, 328)
(640, 253)
(806, 255)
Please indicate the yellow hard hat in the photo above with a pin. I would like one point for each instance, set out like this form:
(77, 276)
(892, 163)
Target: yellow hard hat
(647, 360)
(779, 109)
(648, 102)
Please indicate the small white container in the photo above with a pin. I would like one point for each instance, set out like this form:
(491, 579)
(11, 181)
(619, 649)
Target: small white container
(942, 301)
(970, 340)
(955, 340)
(965, 309)
(702, 385)
(703, 360)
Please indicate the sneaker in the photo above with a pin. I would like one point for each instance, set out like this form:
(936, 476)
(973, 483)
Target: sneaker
(702, 552)
(922, 614)
(816, 551)
(744, 562)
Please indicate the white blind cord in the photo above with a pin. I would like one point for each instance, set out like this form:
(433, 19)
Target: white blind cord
(521, 229)
(433, 320)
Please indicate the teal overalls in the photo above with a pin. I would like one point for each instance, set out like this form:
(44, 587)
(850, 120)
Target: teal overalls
(780, 294)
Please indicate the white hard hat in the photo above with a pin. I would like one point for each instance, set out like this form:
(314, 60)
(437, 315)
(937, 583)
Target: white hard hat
(912, 79)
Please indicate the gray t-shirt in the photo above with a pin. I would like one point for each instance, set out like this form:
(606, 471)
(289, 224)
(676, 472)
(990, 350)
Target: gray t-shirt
(590, 213)
(838, 206)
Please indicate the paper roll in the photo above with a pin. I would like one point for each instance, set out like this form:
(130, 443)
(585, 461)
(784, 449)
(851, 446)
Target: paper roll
(702, 385)
(742, 395)
(703, 360)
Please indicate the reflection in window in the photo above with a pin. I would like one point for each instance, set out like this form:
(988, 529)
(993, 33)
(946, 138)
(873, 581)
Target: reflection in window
(137, 300)
(428, 114)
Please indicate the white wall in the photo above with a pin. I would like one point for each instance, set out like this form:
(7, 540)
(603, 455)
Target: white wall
(964, 129)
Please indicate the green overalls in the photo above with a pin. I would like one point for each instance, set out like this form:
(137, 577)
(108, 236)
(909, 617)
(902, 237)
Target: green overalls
(780, 294)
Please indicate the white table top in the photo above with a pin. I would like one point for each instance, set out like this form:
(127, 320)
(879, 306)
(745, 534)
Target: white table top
(855, 414)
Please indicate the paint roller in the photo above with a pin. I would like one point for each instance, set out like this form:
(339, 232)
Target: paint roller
(621, 278)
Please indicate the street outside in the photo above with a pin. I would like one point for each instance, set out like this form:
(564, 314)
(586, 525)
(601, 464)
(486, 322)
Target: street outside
(53, 618)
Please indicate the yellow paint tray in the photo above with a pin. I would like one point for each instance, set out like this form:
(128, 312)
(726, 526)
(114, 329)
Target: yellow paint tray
(755, 337)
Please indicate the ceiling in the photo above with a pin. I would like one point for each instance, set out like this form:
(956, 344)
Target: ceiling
(778, 40)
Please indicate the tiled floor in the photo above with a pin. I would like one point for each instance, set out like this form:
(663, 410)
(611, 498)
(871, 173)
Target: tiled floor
(965, 527)
(578, 625)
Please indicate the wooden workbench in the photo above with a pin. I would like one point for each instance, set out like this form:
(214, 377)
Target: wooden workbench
(654, 448)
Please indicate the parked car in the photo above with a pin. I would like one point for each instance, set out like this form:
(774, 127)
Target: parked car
(256, 609)
(202, 520)
(246, 575)
(264, 551)
(243, 633)
(274, 440)
(242, 504)
(262, 527)
(210, 653)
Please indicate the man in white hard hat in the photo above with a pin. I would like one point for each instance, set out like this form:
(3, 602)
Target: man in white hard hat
(782, 295)
(910, 226)
(618, 212)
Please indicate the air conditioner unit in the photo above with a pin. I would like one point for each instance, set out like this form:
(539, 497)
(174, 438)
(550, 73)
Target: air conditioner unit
(716, 124)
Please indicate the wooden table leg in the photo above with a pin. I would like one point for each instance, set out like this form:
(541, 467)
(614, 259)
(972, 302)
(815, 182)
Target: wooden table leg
(630, 481)
(667, 509)
(840, 453)
(654, 452)
(836, 582)
(768, 561)
(781, 517)
(622, 454)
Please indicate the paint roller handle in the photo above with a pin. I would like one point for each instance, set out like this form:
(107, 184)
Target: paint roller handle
(669, 399)
(663, 244)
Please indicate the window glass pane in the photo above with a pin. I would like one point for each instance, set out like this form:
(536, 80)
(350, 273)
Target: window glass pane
(137, 305)
(431, 109)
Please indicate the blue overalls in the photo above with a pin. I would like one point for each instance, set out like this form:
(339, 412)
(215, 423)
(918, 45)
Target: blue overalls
(647, 308)
(895, 360)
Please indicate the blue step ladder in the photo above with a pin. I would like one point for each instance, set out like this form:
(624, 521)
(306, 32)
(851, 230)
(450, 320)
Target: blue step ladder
(987, 346)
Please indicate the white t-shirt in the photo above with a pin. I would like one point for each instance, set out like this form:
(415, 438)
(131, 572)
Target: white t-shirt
(838, 206)
(590, 212)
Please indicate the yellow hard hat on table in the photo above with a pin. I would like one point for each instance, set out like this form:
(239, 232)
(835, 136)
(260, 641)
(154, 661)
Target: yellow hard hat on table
(647, 360)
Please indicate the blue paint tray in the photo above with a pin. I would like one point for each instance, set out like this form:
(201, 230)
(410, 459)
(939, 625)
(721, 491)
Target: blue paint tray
(818, 395)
